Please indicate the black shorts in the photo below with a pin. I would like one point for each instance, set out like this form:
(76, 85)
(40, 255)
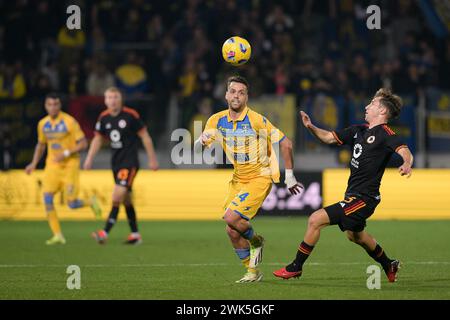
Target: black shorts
(125, 176)
(352, 213)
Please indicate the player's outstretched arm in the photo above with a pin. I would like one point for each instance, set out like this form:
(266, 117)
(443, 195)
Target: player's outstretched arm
(323, 135)
(408, 159)
(290, 180)
(38, 152)
(150, 149)
(96, 144)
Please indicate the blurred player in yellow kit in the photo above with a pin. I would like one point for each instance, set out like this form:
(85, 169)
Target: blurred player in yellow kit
(64, 139)
(247, 138)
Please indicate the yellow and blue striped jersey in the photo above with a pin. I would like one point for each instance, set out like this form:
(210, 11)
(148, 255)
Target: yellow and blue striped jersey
(247, 142)
(60, 134)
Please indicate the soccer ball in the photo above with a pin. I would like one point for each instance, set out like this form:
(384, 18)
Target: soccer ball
(236, 50)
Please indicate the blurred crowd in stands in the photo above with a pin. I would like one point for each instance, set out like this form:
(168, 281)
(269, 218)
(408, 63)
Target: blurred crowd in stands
(144, 46)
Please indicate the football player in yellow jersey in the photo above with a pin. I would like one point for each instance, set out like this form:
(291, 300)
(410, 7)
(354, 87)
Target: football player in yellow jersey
(62, 136)
(247, 139)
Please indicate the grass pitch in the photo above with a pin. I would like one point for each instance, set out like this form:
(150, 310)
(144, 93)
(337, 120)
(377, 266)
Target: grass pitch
(194, 260)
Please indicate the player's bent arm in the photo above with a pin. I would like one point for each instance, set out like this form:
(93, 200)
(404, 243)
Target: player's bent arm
(406, 155)
(149, 148)
(408, 159)
(38, 152)
(80, 146)
(287, 154)
(96, 144)
(323, 135)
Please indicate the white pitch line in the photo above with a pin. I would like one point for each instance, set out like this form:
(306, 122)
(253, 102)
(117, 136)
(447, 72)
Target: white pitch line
(165, 265)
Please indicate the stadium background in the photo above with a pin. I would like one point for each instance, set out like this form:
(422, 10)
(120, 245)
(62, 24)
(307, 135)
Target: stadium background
(165, 56)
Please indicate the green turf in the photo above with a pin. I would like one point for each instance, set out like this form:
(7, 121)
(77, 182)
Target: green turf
(194, 260)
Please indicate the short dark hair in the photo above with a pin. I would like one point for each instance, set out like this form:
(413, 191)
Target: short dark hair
(238, 79)
(52, 95)
(391, 101)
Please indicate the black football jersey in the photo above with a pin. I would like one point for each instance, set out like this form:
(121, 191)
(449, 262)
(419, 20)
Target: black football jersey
(371, 152)
(122, 132)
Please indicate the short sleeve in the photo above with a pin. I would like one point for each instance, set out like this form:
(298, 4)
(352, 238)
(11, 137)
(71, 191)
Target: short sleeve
(211, 130)
(276, 135)
(395, 143)
(345, 136)
(40, 131)
(100, 127)
(77, 132)
(137, 123)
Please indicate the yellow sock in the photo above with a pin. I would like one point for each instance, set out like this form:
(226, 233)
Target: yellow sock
(53, 222)
(246, 262)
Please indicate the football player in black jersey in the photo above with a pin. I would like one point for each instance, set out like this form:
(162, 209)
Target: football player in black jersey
(373, 145)
(123, 127)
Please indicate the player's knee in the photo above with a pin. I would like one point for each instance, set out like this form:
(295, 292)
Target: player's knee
(314, 222)
(354, 239)
(115, 203)
(48, 200)
(233, 234)
(230, 218)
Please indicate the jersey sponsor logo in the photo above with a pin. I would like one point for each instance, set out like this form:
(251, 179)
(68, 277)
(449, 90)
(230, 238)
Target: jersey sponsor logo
(114, 135)
(357, 151)
(371, 139)
(122, 124)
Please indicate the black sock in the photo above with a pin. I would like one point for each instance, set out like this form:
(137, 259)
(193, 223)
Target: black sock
(112, 218)
(379, 256)
(304, 250)
(131, 214)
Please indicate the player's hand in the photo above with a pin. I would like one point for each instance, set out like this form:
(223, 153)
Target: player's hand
(305, 119)
(153, 164)
(292, 184)
(59, 157)
(87, 164)
(204, 137)
(405, 170)
(30, 168)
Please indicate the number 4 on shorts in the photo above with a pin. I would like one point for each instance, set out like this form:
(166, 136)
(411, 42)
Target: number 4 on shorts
(243, 196)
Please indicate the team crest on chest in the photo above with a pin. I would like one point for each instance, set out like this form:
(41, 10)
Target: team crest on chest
(371, 139)
(122, 124)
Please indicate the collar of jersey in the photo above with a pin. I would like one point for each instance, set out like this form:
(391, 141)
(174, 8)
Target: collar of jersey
(57, 119)
(378, 125)
(241, 117)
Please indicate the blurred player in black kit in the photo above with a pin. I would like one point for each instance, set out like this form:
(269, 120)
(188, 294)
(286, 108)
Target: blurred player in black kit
(373, 145)
(123, 127)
